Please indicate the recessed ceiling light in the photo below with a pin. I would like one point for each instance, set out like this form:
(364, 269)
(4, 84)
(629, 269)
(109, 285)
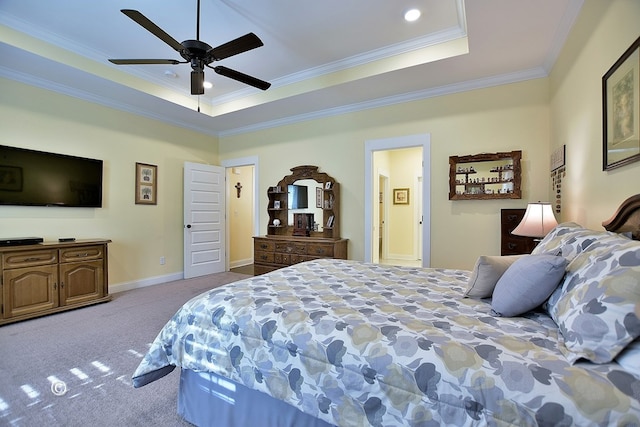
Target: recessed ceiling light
(412, 15)
(171, 74)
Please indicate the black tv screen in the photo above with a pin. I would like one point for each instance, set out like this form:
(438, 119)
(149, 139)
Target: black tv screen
(298, 197)
(37, 178)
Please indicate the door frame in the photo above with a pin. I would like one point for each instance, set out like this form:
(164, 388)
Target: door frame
(393, 143)
(232, 163)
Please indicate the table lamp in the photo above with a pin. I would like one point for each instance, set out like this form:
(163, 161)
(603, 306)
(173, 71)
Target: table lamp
(538, 220)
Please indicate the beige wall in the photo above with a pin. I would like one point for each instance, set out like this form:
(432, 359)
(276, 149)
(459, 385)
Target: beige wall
(504, 118)
(604, 30)
(141, 234)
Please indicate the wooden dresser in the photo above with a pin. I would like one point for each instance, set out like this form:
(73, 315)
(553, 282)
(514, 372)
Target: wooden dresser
(510, 244)
(274, 252)
(47, 278)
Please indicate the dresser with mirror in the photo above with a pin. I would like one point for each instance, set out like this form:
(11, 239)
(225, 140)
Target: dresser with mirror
(304, 221)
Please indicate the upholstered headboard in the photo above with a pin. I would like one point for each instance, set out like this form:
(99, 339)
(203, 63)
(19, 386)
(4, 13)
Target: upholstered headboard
(626, 219)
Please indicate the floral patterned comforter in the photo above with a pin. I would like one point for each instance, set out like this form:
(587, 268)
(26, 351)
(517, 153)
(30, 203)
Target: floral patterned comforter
(359, 344)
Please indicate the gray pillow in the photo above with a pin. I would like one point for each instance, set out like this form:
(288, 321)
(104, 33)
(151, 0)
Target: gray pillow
(527, 284)
(485, 274)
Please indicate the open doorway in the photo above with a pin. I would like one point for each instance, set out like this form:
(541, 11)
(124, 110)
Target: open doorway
(396, 168)
(242, 214)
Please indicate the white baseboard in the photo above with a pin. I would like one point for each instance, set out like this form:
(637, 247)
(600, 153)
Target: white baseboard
(150, 281)
(240, 263)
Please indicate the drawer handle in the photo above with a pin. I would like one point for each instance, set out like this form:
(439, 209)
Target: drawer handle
(512, 245)
(320, 251)
(263, 246)
(32, 259)
(263, 257)
(84, 255)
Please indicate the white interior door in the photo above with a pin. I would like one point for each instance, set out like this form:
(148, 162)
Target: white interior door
(204, 219)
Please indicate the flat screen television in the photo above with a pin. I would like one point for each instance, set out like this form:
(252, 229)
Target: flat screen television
(37, 178)
(298, 198)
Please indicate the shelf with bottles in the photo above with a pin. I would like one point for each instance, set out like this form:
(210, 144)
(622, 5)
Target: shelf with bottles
(485, 176)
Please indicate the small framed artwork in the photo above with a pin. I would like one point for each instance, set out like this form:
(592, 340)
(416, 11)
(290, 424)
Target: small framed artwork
(276, 204)
(621, 110)
(400, 196)
(328, 185)
(557, 158)
(318, 197)
(146, 184)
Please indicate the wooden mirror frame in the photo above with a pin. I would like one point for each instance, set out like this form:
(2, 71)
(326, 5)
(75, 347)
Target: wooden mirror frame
(330, 196)
(511, 161)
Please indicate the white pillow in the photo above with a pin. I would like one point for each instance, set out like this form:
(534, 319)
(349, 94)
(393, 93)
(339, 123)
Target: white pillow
(527, 284)
(485, 274)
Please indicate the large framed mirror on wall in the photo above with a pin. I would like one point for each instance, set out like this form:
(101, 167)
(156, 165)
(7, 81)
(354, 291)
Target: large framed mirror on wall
(485, 176)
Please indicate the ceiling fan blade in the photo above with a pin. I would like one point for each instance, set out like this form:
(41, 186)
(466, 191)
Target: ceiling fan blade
(145, 61)
(236, 46)
(241, 77)
(152, 28)
(197, 82)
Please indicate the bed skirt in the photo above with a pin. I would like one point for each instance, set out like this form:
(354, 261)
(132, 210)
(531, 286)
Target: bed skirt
(206, 399)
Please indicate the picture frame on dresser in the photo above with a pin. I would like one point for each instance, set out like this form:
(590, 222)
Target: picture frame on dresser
(621, 110)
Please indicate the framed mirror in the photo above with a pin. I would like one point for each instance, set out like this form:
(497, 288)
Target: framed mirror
(485, 176)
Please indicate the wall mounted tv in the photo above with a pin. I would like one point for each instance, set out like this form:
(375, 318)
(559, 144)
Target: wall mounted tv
(37, 178)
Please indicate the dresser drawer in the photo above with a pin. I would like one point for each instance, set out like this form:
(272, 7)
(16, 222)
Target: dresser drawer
(265, 245)
(84, 253)
(291, 247)
(320, 250)
(30, 258)
(262, 256)
(515, 247)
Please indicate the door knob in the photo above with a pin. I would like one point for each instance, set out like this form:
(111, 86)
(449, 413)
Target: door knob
(188, 225)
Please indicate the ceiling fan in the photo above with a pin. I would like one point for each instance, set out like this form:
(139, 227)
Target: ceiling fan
(198, 53)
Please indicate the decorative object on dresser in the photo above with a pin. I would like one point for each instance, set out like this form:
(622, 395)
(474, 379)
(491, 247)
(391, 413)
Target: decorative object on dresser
(485, 176)
(297, 231)
(47, 278)
(509, 243)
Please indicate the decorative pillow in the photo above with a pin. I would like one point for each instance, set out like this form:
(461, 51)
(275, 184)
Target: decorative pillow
(598, 307)
(527, 284)
(570, 239)
(485, 274)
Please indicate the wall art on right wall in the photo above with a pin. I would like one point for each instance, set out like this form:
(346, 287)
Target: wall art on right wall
(621, 110)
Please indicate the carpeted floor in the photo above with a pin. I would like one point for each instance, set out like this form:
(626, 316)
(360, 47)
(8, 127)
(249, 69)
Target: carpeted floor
(74, 368)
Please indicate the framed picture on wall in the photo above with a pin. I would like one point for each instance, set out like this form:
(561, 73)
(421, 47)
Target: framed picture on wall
(146, 184)
(621, 110)
(400, 196)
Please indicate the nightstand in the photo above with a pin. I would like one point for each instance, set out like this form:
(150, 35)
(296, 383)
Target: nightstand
(510, 244)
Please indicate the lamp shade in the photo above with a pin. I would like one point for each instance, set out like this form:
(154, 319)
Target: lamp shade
(538, 220)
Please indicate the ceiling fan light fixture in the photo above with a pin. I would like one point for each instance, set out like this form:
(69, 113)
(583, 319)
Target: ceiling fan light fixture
(207, 85)
(412, 15)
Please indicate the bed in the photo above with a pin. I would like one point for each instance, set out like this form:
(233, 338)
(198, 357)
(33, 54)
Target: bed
(549, 338)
